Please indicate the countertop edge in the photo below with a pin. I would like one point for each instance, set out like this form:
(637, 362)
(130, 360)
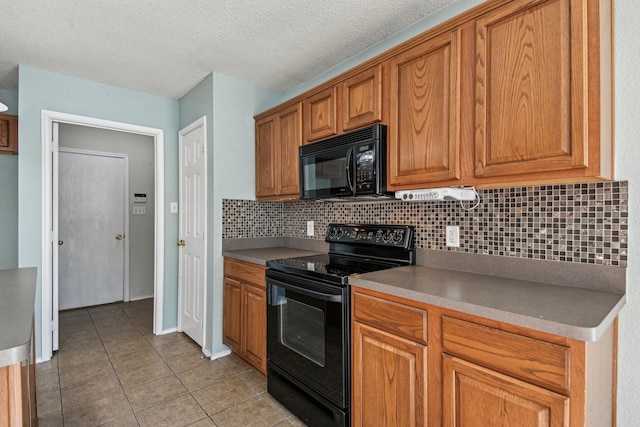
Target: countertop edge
(17, 344)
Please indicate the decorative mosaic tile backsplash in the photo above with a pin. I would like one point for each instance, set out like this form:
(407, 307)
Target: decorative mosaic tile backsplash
(582, 223)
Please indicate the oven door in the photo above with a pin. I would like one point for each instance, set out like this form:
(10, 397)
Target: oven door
(308, 333)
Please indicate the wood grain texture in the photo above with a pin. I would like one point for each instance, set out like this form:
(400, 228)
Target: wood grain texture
(232, 314)
(321, 114)
(478, 397)
(266, 160)
(11, 396)
(245, 271)
(398, 319)
(254, 342)
(389, 379)
(289, 131)
(362, 98)
(530, 88)
(424, 134)
(8, 134)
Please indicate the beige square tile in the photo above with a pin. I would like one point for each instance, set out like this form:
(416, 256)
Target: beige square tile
(188, 348)
(92, 389)
(283, 423)
(223, 394)
(48, 401)
(133, 360)
(74, 324)
(118, 349)
(204, 374)
(83, 334)
(126, 421)
(205, 422)
(181, 411)
(234, 363)
(276, 405)
(144, 374)
(155, 392)
(97, 412)
(102, 308)
(83, 373)
(52, 419)
(72, 313)
(70, 359)
(159, 340)
(48, 367)
(48, 382)
(181, 363)
(255, 412)
(254, 380)
(123, 335)
(76, 345)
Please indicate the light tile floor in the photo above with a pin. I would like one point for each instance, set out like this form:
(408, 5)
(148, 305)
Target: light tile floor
(112, 371)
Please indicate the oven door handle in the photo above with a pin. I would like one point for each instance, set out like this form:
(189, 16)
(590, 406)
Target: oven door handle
(308, 292)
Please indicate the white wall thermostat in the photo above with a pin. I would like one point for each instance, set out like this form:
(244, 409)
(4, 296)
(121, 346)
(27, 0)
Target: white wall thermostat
(139, 198)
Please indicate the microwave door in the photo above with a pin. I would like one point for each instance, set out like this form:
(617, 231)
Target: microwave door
(350, 171)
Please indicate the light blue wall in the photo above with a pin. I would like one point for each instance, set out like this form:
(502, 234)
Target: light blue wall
(43, 90)
(229, 105)
(9, 194)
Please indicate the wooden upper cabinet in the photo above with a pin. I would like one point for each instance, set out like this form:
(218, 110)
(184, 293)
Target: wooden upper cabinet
(278, 137)
(266, 157)
(531, 88)
(424, 111)
(321, 114)
(362, 98)
(8, 134)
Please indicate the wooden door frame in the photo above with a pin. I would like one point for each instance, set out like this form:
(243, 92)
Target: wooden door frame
(49, 235)
(125, 157)
(201, 122)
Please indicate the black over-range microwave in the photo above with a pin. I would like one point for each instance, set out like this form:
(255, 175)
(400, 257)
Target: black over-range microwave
(348, 165)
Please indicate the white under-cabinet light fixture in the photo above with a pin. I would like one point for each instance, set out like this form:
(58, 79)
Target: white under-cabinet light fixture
(3, 107)
(440, 195)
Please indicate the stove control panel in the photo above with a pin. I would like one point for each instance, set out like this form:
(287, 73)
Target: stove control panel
(375, 234)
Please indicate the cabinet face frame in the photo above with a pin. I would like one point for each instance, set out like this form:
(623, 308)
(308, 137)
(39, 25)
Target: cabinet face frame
(424, 147)
(321, 114)
(266, 157)
(537, 122)
(8, 134)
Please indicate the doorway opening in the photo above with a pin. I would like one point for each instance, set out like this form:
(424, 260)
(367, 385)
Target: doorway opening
(50, 121)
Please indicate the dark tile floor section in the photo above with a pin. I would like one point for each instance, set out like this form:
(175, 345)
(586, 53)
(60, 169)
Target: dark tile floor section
(112, 371)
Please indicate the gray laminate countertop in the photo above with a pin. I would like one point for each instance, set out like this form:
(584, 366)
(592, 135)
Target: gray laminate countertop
(572, 312)
(17, 299)
(262, 255)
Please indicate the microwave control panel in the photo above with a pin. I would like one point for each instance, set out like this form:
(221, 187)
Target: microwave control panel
(365, 167)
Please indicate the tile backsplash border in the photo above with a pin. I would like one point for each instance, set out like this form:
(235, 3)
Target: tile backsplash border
(579, 223)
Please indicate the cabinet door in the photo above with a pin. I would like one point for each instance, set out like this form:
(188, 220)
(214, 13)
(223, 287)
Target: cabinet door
(8, 134)
(254, 345)
(232, 314)
(362, 98)
(530, 89)
(424, 134)
(320, 115)
(266, 160)
(389, 379)
(289, 139)
(478, 397)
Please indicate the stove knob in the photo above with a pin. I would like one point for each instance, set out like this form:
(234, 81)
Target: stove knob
(378, 234)
(397, 236)
(387, 236)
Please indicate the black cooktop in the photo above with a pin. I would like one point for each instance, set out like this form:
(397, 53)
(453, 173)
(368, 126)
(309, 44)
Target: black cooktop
(353, 249)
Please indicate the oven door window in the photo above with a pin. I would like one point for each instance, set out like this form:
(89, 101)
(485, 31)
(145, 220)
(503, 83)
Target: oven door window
(302, 329)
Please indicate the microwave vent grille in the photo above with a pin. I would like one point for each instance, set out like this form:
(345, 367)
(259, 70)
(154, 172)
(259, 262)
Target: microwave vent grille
(360, 135)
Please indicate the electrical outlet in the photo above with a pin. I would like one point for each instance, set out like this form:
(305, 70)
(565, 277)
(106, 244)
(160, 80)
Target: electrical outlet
(453, 236)
(310, 228)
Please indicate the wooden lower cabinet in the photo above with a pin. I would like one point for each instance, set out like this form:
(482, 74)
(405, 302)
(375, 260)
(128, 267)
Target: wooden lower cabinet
(245, 312)
(415, 364)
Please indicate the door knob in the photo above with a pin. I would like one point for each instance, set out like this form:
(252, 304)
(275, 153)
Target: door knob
(119, 236)
(60, 242)
(181, 242)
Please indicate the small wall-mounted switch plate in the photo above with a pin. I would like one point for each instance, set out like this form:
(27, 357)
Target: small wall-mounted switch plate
(453, 236)
(139, 210)
(310, 228)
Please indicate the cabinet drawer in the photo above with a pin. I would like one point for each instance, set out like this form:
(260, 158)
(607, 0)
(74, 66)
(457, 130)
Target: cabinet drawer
(536, 361)
(397, 319)
(245, 271)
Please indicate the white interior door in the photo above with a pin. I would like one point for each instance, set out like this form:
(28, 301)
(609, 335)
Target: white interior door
(193, 226)
(91, 228)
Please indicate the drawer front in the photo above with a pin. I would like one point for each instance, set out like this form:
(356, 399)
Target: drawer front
(397, 319)
(532, 360)
(245, 271)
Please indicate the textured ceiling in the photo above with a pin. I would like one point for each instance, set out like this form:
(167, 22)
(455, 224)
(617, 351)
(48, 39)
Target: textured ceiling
(166, 47)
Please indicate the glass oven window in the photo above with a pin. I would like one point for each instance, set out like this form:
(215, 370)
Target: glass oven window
(302, 330)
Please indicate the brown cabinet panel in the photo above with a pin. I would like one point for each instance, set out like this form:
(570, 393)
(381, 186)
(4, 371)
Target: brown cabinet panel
(255, 325)
(321, 114)
(362, 98)
(8, 134)
(536, 361)
(232, 310)
(424, 135)
(290, 139)
(530, 88)
(389, 379)
(477, 397)
(266, 159)
(398, 319)
(245, 312)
